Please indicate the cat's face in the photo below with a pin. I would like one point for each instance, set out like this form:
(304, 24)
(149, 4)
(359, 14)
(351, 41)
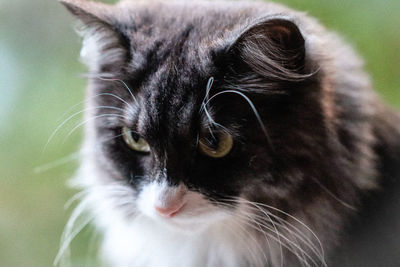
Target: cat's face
(188, 116)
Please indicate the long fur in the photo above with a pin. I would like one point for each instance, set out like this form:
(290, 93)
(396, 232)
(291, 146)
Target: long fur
(312, 141)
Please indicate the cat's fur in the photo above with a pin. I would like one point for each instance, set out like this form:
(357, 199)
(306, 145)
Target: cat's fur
(296, 180)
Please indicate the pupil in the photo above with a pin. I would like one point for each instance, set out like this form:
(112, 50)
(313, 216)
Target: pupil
(135, 136)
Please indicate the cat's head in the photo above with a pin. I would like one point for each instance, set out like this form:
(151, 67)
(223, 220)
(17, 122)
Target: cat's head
(192, 112)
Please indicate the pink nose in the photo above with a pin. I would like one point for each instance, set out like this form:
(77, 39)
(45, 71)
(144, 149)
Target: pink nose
(170, 210)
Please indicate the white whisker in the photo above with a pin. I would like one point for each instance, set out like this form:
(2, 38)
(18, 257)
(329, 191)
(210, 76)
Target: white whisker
(243, 239)
(292, 217)
(72, 229)
(59, 162)
(117, 97)
(258, 117)
(74, 198)
(121, 81)
(334, 196)
(93, 118)
(299, 235)
(112, 138)
(73, 116)
(279, 241)
(259, 229)
(304, 240)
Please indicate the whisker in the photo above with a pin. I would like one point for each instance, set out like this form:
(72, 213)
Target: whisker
(258, 245)
(247, 217)
(206, 97)
(56, 163)
(74, 198)
(93, 241)
(276, 230)
(121, 81)
(77, 104)
(112, 138)
(306, 241)
(290, 216)
(117, 97)
(241, 237)
(299, 235)
(247, 245)
(258, 117)
(93, 118)
(334, 196)
(204, 107)
(293, 246)
(291, 243)
(88, 99)
(309, 244)
(72, 229)
(286, 214)
(71, 117)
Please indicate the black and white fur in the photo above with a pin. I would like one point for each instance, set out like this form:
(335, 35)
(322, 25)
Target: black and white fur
(312, 141)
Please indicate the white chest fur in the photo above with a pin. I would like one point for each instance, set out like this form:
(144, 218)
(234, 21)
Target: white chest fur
(147, 243)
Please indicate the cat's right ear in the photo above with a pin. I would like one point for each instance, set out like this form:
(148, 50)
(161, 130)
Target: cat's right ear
(104, 46)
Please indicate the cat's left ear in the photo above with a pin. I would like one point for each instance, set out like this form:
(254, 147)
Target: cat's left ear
(271, 47)
(104, 46)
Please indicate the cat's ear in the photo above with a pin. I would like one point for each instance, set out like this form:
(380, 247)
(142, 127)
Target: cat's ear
(272, 47)
(104, 46)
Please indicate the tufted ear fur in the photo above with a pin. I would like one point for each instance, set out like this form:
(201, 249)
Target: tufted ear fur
(104, 46)
(273, 48)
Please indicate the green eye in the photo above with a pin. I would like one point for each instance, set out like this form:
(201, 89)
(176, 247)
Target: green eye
(134, 141)
(217, 147)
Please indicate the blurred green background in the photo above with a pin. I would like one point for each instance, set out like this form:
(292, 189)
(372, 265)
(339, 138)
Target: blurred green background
(39, 82)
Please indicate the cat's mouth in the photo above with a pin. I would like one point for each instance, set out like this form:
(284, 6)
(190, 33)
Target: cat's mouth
(178, 207)
(172, 210)
(192, 221)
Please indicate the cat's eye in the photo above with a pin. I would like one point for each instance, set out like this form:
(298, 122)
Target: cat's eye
(217, 145)
(134, 141)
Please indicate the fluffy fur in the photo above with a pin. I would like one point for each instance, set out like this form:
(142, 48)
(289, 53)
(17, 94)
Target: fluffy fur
(311, 139)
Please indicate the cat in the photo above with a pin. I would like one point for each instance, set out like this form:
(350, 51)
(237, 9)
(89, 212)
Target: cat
(227, 133)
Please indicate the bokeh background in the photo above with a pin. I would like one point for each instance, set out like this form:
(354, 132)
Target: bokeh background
(40, 83)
